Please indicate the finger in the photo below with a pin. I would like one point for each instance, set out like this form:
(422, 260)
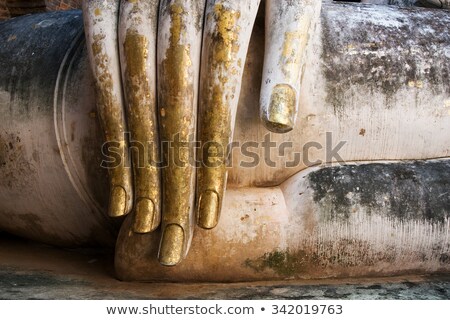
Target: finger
(100, 19)
(445, 4)
(226, 37)
(137, 39)
(286, 40)
(179, 47)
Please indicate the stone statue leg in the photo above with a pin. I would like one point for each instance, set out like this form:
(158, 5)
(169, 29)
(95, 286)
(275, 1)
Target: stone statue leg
(281, 218)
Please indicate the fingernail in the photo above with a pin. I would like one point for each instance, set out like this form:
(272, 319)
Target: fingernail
(282, 109)
(172, 243)
(208, 210)
(144, 216)
(117, 202)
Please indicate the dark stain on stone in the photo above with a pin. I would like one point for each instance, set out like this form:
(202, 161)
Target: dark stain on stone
(15, 168)
(282, 263)
(444, 258)
(72, 131)
(30, 226)
(245, 217)
(416, 190)
(13, 280)
(385, 55)
(341, 256)
(374, 287)
(31, 62)
(342, 253)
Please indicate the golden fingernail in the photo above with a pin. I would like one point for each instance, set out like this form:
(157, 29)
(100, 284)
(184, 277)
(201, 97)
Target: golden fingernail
(282, 109)
(208, 210)
(144, 216)
(118, 202)
(172, 244)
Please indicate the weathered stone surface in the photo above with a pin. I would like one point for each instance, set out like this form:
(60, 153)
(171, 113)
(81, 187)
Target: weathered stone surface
(390, 113)
(35, 147)
(414, 191)
(353, 220)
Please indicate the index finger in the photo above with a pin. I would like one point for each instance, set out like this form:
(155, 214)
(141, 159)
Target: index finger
(100, 19)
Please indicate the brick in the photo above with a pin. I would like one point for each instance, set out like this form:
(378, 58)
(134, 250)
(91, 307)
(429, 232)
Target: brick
(50, 5)
(4, 13)
(53, 5)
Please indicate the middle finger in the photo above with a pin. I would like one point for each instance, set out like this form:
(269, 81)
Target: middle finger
(179, 46)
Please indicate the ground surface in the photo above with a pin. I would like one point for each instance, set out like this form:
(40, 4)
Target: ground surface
(32, 271)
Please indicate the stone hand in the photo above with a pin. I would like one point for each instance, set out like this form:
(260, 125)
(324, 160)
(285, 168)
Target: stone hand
(169, 72)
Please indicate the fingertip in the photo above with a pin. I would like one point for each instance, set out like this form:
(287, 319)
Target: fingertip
(208, 210)
(118, 202)
(281, 112)
(172, 245)
(145, 216)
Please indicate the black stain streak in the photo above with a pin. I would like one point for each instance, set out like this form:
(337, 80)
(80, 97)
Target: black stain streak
(30, 57)
(407, 191)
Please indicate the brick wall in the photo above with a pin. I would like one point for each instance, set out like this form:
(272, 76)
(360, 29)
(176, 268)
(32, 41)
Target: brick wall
(63, 4)
(51, 5)
(4, 13)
